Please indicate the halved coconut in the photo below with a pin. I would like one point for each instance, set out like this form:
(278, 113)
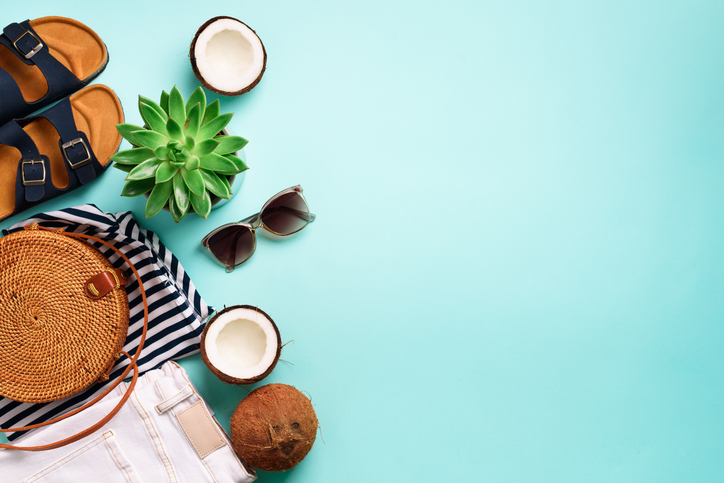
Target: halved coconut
(241, 344)
(227, 56)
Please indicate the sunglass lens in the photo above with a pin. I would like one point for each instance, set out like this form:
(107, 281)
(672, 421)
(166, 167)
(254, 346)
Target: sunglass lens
(286, 214)
(232, 245)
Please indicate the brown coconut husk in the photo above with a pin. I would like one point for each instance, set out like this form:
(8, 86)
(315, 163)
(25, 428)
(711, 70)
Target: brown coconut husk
(192, 57)
(225, 377)
(274, 427)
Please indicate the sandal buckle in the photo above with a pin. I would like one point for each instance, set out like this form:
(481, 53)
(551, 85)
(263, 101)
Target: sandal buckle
(34, 50)
(71, 144)
(32, 182)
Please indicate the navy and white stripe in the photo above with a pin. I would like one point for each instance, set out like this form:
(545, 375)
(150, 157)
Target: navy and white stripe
(176, 311)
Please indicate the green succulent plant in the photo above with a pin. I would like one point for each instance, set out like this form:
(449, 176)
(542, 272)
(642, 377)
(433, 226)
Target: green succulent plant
(180, 155)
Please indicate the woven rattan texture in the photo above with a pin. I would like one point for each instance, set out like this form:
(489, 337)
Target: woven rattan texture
(54, 340)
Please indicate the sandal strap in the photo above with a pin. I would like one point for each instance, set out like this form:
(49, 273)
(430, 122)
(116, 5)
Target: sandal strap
(11, 134)
(28, 46)
(11, 99)
(33, 176)
(73, 144)
(33, 171)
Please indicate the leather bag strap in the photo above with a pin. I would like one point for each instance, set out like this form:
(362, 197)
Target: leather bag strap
(133, 365)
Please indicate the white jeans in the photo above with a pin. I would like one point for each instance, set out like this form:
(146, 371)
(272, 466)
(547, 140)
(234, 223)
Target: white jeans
(164, 432)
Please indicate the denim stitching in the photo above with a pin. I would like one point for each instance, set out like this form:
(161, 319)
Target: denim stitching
(46, 471)
(156, 440)
(117, 461)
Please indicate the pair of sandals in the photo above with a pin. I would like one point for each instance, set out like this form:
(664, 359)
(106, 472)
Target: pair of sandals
(69, 144)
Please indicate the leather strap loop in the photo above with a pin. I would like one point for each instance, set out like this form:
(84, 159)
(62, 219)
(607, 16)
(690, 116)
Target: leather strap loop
(99, 285)
(132, 366)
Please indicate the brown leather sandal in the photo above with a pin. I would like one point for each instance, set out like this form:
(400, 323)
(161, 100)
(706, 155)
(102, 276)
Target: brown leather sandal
(44, 60)
(59, 149)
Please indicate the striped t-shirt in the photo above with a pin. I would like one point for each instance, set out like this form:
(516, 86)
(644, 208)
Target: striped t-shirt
(176, 311)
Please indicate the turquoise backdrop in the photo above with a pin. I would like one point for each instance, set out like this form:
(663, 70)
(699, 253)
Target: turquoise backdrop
(516, 272)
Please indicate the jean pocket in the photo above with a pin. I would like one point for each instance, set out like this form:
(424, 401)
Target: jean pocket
(102, 459)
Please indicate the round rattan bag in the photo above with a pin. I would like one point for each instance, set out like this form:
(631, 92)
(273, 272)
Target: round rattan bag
(55, 340)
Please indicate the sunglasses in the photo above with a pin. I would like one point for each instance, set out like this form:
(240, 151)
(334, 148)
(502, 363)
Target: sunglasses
(284, 214)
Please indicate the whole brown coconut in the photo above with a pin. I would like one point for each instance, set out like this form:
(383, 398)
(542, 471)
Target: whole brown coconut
(274, 427)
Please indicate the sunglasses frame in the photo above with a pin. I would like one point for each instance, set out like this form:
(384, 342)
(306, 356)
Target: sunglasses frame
(254, 221)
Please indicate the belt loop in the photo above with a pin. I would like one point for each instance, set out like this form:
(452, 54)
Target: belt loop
(170, 402)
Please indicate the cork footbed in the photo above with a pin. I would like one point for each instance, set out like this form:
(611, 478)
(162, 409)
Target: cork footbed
(96, 111)
(76, 46)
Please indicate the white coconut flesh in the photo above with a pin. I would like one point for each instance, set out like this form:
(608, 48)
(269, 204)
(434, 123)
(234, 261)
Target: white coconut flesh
(241, 343)
(229, 55)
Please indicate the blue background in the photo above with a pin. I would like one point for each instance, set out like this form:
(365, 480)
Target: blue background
(516, 272)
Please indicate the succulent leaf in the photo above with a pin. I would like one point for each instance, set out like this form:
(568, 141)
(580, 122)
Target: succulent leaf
(181, 194)
(138, 187)
(183, 155)
(147, 169)
(161, 152)
(153, 120)
(193, 122)
(150, 139)
(190, 143)
(217, 163)
(165, 172)
(126, 168)
(230, 144)
(148, 102)
(214, 126)
(197, 97)
(133, 156)
(201, 204)
(158, 198)
(229, 172)
(238, 162)
(205, 147)
(174, 130)
(174, 209)
(176, 107)
(193, 162)
(193, 180)
(175, 145)
(126, 131)
(164, 101)
(212, 112)
(216, 184)
(225, 181)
